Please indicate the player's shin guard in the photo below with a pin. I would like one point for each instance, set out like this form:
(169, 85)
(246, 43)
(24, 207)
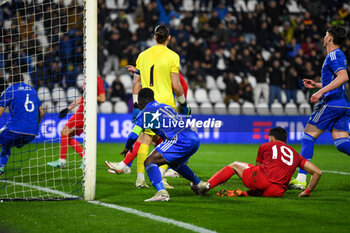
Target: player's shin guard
(221, 176)
(187, 173)
(5, 155)
(64, 146)
(76, 146)
(141, 157)
(155, 176)
(131, 155)
(343, 145)
(307, 150)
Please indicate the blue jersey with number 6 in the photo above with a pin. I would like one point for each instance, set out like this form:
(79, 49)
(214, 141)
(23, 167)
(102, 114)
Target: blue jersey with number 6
(24, 104)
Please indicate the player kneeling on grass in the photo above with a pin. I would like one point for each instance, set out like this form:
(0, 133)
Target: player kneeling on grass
(179, 143)
(275, 165)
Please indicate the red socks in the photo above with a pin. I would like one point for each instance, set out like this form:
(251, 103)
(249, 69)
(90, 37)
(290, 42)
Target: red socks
(64, 146)
(76, 146)
(130, 156)
(221, 176)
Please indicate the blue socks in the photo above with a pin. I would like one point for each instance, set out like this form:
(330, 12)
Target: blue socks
(154, 176)
(343, 145)
(307, 148)
(5, 155)
(187, 173)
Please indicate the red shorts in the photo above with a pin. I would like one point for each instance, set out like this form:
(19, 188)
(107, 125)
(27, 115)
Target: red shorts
(253, 179)
(76, 122)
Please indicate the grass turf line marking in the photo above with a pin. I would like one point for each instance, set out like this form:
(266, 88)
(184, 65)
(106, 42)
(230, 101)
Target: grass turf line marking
(121, 208)
(154, 217)
(336, 172)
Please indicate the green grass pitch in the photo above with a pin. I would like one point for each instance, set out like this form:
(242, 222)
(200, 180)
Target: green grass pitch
(328, 209)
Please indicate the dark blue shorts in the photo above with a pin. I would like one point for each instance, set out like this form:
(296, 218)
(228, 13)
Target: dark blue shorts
(11, 139)
(181, 148)
(327, 117)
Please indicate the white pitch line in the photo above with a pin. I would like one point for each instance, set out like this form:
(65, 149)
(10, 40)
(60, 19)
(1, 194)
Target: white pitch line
(121, 208)
(154, 217)
(336, 172)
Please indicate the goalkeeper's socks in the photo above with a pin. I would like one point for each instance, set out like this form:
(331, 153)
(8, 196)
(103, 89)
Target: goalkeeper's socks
(163, 169)
(64, 146)
(130, 156)
(76, 146)
(221, 176)
(155, 176)
(187, 173)
(343, 145)
(307, 151)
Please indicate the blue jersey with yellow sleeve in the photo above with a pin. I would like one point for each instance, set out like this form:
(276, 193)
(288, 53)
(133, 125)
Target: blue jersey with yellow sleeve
(334, 62)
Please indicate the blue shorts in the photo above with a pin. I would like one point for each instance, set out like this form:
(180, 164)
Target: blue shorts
(11, 139)
(326, 117)
(181, 148)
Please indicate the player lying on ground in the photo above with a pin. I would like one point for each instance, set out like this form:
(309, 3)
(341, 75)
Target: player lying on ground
(26, 113)
(275, 165)
(75, 126)
(178, 145)
(331, 114)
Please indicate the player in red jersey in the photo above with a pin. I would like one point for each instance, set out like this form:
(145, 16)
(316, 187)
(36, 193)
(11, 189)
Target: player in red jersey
(275, 164)
(75, 126)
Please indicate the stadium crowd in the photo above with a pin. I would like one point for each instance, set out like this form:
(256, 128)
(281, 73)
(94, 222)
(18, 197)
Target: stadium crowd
(247, 49)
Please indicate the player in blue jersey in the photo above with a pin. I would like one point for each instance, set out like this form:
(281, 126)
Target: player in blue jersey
(26, 113)
(331, 114)
(179, 142)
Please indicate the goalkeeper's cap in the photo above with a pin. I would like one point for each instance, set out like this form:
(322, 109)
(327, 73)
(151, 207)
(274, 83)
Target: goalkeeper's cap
(162, 33)
(279, 133)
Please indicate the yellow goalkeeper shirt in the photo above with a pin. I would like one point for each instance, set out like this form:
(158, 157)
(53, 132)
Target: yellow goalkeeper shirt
(155, 65)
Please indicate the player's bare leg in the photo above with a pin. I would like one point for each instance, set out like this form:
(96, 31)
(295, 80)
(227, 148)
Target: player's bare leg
(311, 133)
(341, 140)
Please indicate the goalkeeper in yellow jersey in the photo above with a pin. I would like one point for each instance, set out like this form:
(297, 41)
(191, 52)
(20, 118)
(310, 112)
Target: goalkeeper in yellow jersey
(158, 69)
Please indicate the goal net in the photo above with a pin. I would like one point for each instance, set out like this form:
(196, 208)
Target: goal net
(45, 40)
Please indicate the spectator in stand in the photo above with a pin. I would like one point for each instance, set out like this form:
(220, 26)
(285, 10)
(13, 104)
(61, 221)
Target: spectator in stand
(114, 49)
(246, 90)
(260, 73)
(214, 21)
(292, 83)
(117, 90)
(232, 88)
(165, 14)
(221, 10)
(196, 75)
(208, 63)
(275, 82)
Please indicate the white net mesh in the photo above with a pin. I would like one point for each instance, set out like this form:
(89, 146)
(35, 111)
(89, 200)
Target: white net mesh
(43, 40)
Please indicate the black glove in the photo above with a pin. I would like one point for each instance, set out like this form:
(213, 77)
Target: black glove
(63, 113)
(185, 109)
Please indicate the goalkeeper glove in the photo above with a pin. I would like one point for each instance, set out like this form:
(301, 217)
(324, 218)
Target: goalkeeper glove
(63, 113)
(135, 112)
(185, 109)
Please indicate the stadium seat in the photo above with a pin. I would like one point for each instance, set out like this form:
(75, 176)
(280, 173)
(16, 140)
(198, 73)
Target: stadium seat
(201, 95)
(194, 107)
(220, 108)
(106, 107)
(26, 78)
(72, 94)
(240, 6)
(44, 94)
(291, 109)
(48, 107)
(248, 108)
(263, 109)
(80, 80)
(251, 5)
(111, 4)
(190, 97)
(110, 78)
(220, 83)
(277, 109)
(215, 96)
(126, 80)
(61, 105)
(206, 108)
(211, 84)
(58, 94)
(234, 108)
(305, 109)
(301, 98)
(252, 81)
(265, 55)
(121, 107)
(283, 96)
(293, 7)
(238, 79)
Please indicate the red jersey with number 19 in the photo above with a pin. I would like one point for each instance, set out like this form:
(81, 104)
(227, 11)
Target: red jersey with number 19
(279, 161)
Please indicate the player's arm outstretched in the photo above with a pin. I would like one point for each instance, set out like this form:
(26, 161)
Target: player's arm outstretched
(133, 136)
(179, 92)
(315, 177)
